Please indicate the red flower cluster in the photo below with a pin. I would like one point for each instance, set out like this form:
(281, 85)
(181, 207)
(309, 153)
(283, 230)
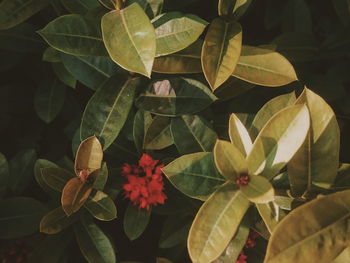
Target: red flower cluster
(145, 182)
(15, 253)
(242, 258)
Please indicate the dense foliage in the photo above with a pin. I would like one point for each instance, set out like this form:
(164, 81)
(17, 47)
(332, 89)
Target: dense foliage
(174, 131)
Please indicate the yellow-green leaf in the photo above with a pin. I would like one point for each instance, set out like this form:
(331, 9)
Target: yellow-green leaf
(278, 141)
(317, 161)
(158, 135)
(343, 257)
(264, 67)
(130, 39)
(317, 231)
(101, 206)
(229, 160)
(271, 214)
(89, 155)
(56, 220)
(56, 178)
(239, 135)
(175, 31)
(216, 223)
(258, 190)
(14, 12)
(74, 195)
(221, 50)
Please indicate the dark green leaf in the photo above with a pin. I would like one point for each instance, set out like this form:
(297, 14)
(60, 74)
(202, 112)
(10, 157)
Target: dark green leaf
(79, 6)
(56, 177)
(64, 75)
(101, 206)
(158, 135)
(135, 221)
(142, 121)
(56, 220)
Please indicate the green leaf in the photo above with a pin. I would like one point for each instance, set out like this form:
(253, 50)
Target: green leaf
(194, 174)
(56, 220)
(4, 172)
(135, 221)
(221, 51)
(75, 35)
(21, 38)
(107, 110)
(158, 135)
(236, 245)
(74, 195)
(175, 231)
(38, 166)
(175, 97)
(239, 135)
(14, 12)
(268, 110)
(64, 75)
(89, 155)
(20, 216)
(21, 170)
(102, 207)
(271, 214)
(142, 121)
(229, 160)
(102, 178)
(94, 244)
(258, 190)
(110, 4)
(322, 237)
(232, 88)
(79, 6)
(90, 71)
(278, 141)
(342, 7)
(216, 221)
(186, 61)
(131, 45)
(296, 17)
(233, 8)
(56, 177)
(317, 161)
(264, 67)
(192, 133)
(52, 55)
(151, 7)
(49, 99)
(176, 31)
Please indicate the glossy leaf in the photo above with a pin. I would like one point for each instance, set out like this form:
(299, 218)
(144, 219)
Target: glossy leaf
(239, 135)
(14, 12)
(192, 133)
(21, 170)
(229, 160)
(94, 244)
(56, 220)
(278, 141)
(90, 71)
(135, 221)
(264, 67)
(89, 155)
(107, 110)
(175, 97)
(75, 35)
(321, 237)
(74, 195)
(142, 121)
(102, 207)
(64, 75)
(158, 135)
(234, 248)
(176, 31)
(49, 99)
(194, 174)
(102, 177)
(259, 190)
(186, 61)
(38, 166)
(268, 110)
(20, 216)
(131, 45)
(271, 214)
(110, 4)
(221, 51)
(216, 223)
(343, 257)
(233, 8)
(317, 161)
(56, 177)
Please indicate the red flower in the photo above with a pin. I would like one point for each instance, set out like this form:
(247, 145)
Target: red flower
(250, 243)
(242, 258)
(145, 182)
